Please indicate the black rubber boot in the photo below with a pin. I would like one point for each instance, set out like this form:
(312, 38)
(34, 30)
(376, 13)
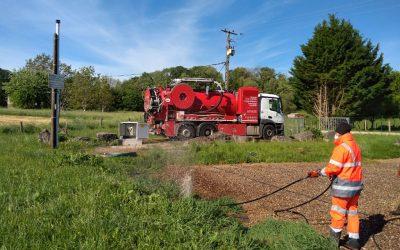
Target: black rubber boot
(353, 244)
(335, 236)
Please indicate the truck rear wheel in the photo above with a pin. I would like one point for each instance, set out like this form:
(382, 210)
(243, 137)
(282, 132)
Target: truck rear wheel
(268, 132)
(206, 129)
(186, 131)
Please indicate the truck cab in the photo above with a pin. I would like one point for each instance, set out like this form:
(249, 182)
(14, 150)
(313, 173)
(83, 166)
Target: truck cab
(271, 115)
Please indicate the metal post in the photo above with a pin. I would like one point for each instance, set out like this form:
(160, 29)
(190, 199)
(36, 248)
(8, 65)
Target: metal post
(55, 103)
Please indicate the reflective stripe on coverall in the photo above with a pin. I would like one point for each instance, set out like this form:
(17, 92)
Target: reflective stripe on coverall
(345, 164)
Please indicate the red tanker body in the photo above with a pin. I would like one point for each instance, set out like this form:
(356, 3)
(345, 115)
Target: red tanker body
(180, 111)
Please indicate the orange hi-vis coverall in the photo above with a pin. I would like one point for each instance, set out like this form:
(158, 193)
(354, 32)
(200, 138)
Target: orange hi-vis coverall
(345, 164)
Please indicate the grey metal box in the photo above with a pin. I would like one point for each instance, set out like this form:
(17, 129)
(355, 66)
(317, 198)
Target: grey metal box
(134, 130)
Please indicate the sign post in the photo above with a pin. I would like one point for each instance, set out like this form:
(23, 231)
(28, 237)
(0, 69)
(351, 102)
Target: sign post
(56, 83)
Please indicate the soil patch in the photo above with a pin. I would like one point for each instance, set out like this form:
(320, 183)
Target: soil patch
(246, 181)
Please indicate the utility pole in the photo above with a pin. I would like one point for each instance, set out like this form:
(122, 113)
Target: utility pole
(55, 92)
(230, 51)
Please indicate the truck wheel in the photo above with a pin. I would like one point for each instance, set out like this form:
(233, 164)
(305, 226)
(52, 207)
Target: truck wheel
(207, 129)
(268, 132)
(186, 131)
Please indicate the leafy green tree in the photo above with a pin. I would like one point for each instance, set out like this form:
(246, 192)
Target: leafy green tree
(44, 62)
(29, 89)
(266, 78)
(395, 96)
(104, 94)
(241, 76)
(82, 90)
(177, 72)
(269, 81)
(340, 72)
(132, 94)
(41, 62)
(4, 77)
(205, 72)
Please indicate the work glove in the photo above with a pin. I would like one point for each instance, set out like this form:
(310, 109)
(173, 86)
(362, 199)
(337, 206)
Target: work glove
(314, 173)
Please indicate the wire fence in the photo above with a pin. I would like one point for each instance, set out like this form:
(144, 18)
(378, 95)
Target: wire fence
(367, 125)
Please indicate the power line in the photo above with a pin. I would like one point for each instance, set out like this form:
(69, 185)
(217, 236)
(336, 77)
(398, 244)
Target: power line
(134, 74)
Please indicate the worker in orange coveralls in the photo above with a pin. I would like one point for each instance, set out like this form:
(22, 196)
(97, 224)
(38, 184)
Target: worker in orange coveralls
(344, 168)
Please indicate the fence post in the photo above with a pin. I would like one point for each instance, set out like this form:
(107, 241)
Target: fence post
(101, 122)
(389, 125)
(21, 127)
(66, 127)
(365, 124)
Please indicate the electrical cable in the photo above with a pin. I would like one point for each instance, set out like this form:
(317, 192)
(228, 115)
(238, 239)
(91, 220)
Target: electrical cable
(306, 202)
(268, 184)
(290, 191)
(268, 194)
(303, 203)
(385, 223)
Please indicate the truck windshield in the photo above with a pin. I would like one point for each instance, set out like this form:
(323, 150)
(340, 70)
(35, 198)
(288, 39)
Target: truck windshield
(275, 105)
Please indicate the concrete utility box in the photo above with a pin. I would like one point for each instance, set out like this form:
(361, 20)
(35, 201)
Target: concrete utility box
(132, 133)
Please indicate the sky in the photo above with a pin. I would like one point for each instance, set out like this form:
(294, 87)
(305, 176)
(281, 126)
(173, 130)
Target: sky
(131, 37)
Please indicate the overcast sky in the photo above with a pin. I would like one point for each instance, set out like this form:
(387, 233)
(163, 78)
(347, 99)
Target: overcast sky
(126, 37)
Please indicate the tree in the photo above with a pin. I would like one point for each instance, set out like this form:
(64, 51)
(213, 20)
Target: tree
(41, 62)
(104, 94)
(339, 73)
(4, 77)
(130, 94)
(241, 76)
(395, 96)
(29, 89)
(44, 62)
(82, 90)
(205, 72)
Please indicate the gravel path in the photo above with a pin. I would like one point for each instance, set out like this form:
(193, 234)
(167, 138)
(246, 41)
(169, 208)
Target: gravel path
(246, 181)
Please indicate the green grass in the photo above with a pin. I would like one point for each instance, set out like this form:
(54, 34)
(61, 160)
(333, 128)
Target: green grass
(76, 114)
(79, 122)
(288, 235)
(372, 146)
(69, 199)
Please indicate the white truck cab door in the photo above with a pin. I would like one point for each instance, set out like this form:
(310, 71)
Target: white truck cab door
(270, 109)
(264, 109)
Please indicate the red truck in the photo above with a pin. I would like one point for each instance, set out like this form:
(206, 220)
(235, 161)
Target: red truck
(181, 111)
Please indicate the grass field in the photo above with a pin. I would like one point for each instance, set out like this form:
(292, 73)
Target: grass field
(68, 198)
(373, 147)
(76, 122)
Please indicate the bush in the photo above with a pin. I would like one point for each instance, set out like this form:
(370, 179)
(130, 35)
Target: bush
(29, 89)
(317, 134)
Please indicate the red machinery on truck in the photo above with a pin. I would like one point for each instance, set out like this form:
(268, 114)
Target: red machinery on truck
(181, 111)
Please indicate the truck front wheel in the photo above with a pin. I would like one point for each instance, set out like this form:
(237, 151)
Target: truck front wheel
(268, 132)
(186, 131)
(206, 129)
